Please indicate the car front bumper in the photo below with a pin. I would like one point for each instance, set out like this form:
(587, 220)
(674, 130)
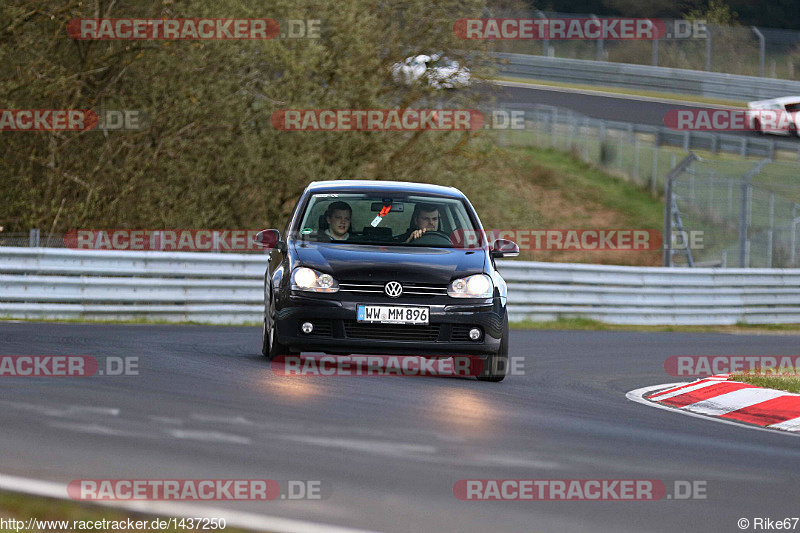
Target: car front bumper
(337, 331)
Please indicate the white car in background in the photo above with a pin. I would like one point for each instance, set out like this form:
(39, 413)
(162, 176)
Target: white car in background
(778, 116)
(441, 72)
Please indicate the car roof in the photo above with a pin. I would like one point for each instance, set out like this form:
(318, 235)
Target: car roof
(383, 186)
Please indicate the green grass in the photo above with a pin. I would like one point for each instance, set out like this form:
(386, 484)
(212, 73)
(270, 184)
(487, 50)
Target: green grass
(23, 507)
(582, 182)
(788, 381)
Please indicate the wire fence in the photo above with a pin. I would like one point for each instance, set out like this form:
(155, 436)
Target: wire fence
(741, 208)
(744, 50)
(744, 224)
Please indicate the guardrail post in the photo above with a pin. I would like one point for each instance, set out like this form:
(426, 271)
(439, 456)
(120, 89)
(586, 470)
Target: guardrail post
(744, 222)
(770, 231)
(654, 175)
(655, 52)
(600, 50)
(33, 238)
(795, 220)
(711, 195)
(546, 40)
(586, 143)
(762, 51)
(730, 197)
(668, 199)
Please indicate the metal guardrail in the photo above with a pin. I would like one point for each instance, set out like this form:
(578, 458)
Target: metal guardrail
(228, 288)
(645, 78)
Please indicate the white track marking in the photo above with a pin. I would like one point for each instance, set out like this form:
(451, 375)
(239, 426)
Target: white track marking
(93, 429)
(393, 449)
(167, 420)
(690, 388)
(792, 424)
(638, 396)
(733, 401)
(216, 419)
(253, 521)
(208, 436)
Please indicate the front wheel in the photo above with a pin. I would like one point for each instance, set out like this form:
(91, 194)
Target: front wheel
(495, 366)
(270, 346)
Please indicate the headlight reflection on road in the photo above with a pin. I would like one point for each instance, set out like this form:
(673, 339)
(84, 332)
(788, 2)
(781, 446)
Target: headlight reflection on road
(461, 409)
(290, 388)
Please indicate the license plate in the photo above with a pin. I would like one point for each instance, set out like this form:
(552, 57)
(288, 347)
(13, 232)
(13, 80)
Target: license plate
(393, 314)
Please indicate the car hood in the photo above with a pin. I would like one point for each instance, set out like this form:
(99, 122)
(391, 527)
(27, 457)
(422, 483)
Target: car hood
(406, 264)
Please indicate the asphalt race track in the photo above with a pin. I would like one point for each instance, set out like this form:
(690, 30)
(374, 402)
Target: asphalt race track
(206, 404)
(622, 107)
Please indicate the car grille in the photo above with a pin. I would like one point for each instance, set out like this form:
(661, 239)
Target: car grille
(391, 332)
(417, 289)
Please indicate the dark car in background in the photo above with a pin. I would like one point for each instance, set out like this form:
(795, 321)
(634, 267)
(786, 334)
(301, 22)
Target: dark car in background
(372, 267)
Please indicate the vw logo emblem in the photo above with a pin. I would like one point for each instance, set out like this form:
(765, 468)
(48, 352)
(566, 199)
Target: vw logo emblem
(393, 289)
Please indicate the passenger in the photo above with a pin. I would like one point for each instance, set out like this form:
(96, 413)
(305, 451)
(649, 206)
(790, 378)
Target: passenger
(338, 216)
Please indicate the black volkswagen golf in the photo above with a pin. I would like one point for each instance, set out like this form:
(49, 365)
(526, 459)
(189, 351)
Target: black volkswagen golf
(387, 268)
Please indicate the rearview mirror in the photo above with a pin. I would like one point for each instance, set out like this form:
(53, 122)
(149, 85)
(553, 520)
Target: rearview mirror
(397, 207)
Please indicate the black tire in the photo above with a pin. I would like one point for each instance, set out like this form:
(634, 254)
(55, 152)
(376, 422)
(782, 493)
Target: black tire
(496, 365)
(270, 346)
(757, 127)
(264, 339)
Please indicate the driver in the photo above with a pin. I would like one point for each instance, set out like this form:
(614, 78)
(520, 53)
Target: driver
(425, 218)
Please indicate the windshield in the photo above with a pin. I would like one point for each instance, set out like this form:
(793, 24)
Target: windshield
(413, 220)
(793, 107)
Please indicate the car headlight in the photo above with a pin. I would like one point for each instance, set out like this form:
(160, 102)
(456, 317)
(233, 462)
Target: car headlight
(475, 286)
(307, 279)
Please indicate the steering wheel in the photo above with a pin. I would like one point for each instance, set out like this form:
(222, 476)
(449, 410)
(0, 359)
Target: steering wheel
(432, 237)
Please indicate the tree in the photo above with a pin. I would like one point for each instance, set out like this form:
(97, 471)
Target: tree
(211, 157)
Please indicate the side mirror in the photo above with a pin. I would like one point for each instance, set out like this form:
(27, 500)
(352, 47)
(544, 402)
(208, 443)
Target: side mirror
(504, 248)
(270, 238)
